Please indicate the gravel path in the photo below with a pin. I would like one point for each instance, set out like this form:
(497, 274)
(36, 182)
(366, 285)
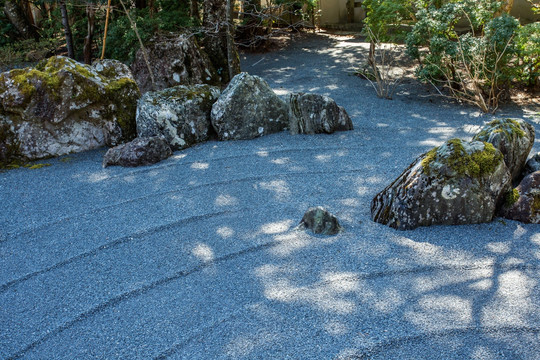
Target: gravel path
(197, 257)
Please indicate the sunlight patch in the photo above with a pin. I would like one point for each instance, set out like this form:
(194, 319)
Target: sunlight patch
(226, 200)
(276, 227)
(200, 166)
(203, 252)
(498, 247)
(280, 161)
(97, 177)
(225, 232)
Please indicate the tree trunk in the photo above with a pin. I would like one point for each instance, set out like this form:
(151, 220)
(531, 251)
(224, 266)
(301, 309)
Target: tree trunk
(18, 19)
(91, 16)
(140, 4)
(194, 10)
(217, 42)
(67, 29)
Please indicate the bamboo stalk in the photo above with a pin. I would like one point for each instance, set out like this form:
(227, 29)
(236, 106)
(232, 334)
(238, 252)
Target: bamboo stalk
(106, 26)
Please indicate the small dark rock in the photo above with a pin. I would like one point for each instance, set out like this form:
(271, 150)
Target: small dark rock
(320, 221)
(141, 151)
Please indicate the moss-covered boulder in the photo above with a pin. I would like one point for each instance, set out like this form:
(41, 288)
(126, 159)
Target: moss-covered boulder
(62, 106)
(514, 138)
(458, 182)
(523, 203)
(248, 108)
(180, 114)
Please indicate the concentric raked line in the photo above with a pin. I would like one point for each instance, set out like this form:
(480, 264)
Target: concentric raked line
(177, 190)
(229, 257)
(369, 352)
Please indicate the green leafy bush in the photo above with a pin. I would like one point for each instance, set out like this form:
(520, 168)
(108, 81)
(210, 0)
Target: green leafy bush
(477, 65)
(528, 50)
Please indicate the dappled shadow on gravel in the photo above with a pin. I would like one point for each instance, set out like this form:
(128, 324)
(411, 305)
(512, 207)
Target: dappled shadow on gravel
(197, 257)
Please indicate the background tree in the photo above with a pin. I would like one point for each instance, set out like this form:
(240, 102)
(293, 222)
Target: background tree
(218, 38)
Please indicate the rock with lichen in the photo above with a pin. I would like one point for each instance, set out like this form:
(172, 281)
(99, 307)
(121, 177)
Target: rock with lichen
(316, 114)
(523, 202)
(514, 138)
(320, 221)
(532, 165)
(138, 152)
(180, 114)
(62, 106)
(175, 59)
(248, 108)
(458, 182)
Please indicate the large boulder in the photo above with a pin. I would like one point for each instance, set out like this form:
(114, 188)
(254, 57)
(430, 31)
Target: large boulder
(138, 152)
(174, 59)
(457, 183)
(248, 108)
(62, 106)
(514, 138)
(314, 114)
(523, 203)
(180, 114)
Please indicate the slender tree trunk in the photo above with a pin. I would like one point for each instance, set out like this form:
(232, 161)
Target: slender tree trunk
(91, 16)
(67, 29)
(18, 19)
(217, 41)
(140, 4)
(194, 10)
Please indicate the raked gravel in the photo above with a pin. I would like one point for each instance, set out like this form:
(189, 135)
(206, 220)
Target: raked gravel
(197, 257)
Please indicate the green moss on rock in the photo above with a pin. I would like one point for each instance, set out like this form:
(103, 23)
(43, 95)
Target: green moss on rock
(463, 158)
(512, 197)
(510, 128)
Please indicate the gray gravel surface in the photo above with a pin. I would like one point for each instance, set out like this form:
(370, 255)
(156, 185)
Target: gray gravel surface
(197, 257)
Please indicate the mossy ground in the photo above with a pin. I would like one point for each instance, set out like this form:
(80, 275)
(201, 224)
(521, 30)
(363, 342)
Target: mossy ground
(455, 156)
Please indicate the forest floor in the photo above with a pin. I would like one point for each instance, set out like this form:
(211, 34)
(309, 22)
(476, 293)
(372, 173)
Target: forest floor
(197, 257)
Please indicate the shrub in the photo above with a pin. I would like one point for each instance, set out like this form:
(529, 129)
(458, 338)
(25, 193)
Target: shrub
(474, 66)
(528, 50)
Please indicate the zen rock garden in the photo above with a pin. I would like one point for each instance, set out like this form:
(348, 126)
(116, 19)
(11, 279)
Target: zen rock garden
(61, 106)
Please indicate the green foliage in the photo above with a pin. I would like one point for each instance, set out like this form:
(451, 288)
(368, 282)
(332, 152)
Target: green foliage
(384, 19)
(477, 65)
(122, 42)
(528, 50)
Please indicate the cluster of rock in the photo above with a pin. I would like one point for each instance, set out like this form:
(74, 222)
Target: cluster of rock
(62, 106)
(185, 115)
(466, 182)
